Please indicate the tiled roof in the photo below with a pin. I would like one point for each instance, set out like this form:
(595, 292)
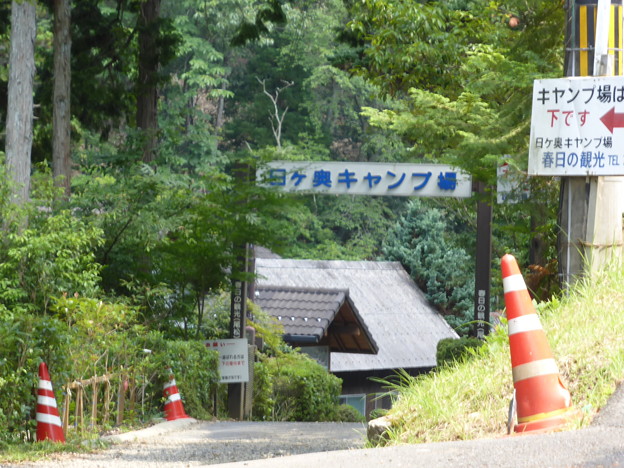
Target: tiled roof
(404, 326)
(316, 316)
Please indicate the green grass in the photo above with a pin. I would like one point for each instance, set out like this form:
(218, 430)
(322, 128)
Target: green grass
(470, 399)
(20, 451)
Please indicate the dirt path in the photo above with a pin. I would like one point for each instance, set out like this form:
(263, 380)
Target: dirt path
(186, 443)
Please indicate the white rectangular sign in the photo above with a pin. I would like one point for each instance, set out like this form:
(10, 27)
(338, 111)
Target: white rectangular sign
(233, 359)
(577, 127)
(358, 178)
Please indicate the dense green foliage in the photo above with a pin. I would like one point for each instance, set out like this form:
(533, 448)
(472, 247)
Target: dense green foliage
(423, 242)
(141, 255)
(450, 351)
(293, 387)
(82, 338)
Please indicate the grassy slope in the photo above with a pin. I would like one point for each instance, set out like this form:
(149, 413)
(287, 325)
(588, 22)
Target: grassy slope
(471, 399)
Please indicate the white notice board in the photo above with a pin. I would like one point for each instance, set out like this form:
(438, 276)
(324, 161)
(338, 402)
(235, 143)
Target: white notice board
(233, 359)
(577, 127)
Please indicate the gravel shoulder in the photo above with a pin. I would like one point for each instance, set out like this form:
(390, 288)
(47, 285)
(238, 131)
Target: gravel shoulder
(188, 443)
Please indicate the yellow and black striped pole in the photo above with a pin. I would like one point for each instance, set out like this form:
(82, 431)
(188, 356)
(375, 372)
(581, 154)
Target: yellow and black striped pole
(581, 34)
(581, 197)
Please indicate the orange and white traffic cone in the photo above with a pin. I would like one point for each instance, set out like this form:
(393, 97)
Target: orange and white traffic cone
(173, 406)
(49, 424)
(543, 402)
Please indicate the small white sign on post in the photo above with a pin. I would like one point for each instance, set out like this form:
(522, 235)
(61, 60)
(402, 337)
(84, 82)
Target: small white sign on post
(577, 127)
(358, 178)
(233, 359)
(511, 186)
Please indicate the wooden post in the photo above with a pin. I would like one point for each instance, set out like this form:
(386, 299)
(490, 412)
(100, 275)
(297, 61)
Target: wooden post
(66, 404)
(107, 400)
(78, 419)
(121, 395)
(94, 402)
(483, 267)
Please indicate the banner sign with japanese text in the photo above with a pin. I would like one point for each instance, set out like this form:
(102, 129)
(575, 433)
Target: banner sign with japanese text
(577, 127)
(362, 178)
(233, 359)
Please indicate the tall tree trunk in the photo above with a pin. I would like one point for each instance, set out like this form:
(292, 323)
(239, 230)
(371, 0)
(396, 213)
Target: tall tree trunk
(61, 136)
(19, 123)
(147, 92)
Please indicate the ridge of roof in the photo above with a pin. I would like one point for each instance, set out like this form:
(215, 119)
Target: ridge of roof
(305, 289)
(329, 264)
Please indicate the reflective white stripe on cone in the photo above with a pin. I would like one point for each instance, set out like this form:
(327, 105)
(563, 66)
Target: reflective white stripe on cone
(542, 399)
(174, 409)
(49, 426)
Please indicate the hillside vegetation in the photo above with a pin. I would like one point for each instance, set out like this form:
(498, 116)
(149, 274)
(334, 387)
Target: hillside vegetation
(470, 399)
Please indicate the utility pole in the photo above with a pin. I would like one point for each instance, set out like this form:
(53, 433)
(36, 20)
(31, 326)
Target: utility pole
(590, 208)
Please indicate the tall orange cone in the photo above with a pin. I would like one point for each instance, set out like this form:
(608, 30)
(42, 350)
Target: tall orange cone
(543, 402)
(173, 406)
(49, 424)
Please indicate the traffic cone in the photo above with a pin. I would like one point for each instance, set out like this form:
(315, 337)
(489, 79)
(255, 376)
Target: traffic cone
(49, 424)
(543, 402)
(173, 406)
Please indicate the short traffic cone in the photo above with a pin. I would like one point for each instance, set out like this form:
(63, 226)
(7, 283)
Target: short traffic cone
(49, 424)
(173, 406)
(543, 402)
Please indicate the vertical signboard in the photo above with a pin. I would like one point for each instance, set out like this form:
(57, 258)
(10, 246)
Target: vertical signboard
(238, 315)
(483, 267)
(233, 359)
(238, 312)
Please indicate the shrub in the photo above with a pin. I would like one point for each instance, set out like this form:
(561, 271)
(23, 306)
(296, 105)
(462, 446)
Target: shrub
(347, 413)
(450, 350)
(196, 371)
(297, 389)
(377, 413)
(54, 255)
(87, 337)
(26, 340)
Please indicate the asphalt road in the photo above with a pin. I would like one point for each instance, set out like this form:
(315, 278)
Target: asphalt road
(601, 445)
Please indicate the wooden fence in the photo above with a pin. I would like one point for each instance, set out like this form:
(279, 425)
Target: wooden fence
(102, 397)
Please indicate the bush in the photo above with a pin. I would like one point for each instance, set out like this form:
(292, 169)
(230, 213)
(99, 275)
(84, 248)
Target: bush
(450, 350)
(293, 387)
(87, 337)
(347, 413)
(25, 341)
(377, 413)
(195, 368)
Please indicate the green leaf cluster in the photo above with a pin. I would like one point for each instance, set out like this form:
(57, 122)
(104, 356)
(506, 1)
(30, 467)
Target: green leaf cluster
(423, 242)
(293, 387)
